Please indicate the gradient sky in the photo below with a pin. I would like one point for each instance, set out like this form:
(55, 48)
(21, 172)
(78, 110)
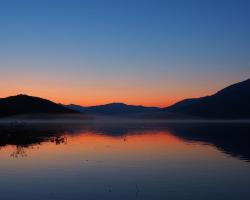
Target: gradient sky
(148, 52)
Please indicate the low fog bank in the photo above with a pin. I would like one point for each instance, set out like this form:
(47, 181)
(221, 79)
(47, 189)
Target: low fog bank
(82, 119)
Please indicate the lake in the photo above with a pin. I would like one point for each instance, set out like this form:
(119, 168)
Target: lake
(125, 161)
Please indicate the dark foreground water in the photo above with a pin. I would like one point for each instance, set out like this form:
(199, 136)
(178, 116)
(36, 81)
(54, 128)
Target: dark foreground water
(125, 161)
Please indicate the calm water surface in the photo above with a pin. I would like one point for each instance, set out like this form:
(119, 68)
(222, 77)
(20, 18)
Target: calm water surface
(125, 161)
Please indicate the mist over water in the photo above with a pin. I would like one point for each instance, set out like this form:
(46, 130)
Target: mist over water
(124, 161)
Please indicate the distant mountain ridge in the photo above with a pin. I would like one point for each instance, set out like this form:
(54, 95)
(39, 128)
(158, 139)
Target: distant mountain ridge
(113, 109)
(75, 107)
(24, 104)
(230, 102)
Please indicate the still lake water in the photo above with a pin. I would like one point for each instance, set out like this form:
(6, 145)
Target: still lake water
(125, 161)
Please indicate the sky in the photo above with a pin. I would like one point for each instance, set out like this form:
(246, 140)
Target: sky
(147, 52)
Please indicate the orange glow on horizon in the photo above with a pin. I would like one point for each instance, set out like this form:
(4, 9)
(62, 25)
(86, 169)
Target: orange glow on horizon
(82, 100)
(90, 95)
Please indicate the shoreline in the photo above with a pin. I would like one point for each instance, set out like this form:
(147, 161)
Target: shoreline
(108, 120)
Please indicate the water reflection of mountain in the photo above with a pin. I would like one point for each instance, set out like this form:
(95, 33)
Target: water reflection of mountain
(232, 139)
(28, 136)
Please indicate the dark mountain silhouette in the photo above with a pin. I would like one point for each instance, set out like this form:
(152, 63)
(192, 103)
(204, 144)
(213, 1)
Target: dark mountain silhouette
(76, 107)
(182, 104)
(24, 104)
(231, 102)
(113, 109)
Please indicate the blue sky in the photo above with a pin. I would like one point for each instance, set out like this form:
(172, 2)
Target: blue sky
(148, 52)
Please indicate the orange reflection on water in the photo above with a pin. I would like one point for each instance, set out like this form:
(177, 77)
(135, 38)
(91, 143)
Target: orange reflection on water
(89, 147)
(146, 144)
